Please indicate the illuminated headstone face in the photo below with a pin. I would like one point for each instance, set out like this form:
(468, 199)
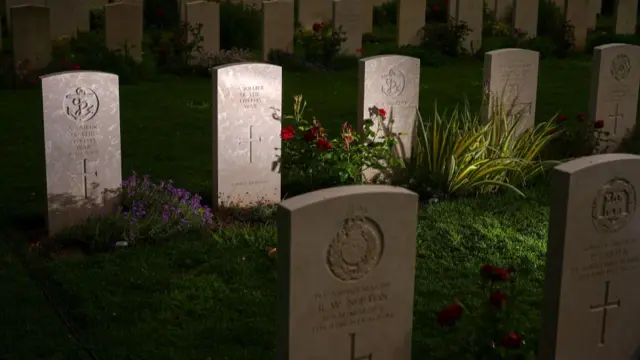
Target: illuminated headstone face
(346, 273)
(615, 82)
(593, 261)
(81, 116)
(247, 104)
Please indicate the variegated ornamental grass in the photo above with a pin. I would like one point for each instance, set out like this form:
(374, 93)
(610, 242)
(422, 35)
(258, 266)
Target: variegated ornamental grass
(458, 154)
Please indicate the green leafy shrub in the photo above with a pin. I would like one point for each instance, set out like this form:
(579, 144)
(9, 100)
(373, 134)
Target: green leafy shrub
(149, 213)
(458, 154)
(88, 51)
(176, 50)
(551, 24)
(544, 45)
(311, 159)
(161, 14)
(603, 37)
(319, 45)
(240, 26)
(445, 38)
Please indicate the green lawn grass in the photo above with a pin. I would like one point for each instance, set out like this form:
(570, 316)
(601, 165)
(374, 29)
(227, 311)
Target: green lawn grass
(214, 298)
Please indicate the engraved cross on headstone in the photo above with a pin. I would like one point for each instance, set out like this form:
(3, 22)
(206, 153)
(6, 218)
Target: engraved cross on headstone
(85, 182)
(353, 350)
(604, 308)
(615, 117)
(250, 141)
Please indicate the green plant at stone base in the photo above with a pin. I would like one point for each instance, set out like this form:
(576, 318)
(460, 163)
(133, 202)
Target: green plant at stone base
(311, 159)
(458, 154)
(320, 44)
(602, 38)
(148, 213)
(445, 38)
(491, 332)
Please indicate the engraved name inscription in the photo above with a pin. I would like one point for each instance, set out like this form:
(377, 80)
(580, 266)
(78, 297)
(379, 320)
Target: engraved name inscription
(358, 305)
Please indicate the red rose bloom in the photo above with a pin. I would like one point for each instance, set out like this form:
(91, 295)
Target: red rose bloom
(311, 134)
(317, 27)
(287, 132)
(75, 67)
(561, 118)
(580, 117)
(323, 144)
(511, 341)
(382, 112)
(599, 124)
(553, 131)
(495, 273)
(498, 299)
(449, 315)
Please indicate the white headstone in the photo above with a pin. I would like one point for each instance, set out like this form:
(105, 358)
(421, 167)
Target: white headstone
(346, 269)
(511, 76)
(346, 14)
(525, 17)
(615, 77)
(247, 111)
(591, 299)
(81, 112)
(625, 16)
(391, 82)
(472, 13)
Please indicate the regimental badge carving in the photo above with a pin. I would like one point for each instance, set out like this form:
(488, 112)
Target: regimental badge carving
(356, 250)
(81, 105)
(393, 83)
(620, 67)
(613, 206)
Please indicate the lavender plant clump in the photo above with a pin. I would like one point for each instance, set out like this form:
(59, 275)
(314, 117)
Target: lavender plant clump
(157, 210)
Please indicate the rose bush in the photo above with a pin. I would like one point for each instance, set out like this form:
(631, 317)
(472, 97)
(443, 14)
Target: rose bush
(312, 159)
(577, 137)
(491, 330)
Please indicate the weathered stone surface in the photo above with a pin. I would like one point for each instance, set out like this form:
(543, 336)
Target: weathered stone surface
(410, 21)
(247, 110)
(31, 37)
(346, 269)
(123, 22)
(277, 26)
(207, 14)
(615, 77)
(314, 11)
(593, 261)
(511, 78)
(346, 14)
(81, 112)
